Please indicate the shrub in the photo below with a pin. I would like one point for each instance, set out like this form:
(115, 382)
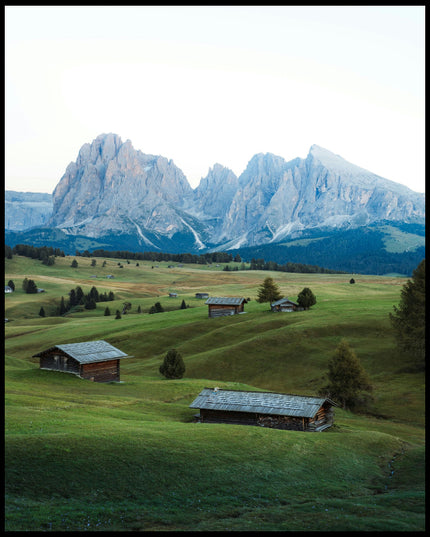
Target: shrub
(306, 298)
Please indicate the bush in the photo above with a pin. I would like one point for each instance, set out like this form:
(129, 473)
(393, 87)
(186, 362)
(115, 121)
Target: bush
(173, 366)
(306, 298)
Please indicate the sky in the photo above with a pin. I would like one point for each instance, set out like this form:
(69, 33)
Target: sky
(214, 84)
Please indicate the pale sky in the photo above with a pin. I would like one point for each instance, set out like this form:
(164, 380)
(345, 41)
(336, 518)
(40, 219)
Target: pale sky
(205, 85)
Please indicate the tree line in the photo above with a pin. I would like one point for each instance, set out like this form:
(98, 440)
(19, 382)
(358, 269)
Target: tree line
(46, 254)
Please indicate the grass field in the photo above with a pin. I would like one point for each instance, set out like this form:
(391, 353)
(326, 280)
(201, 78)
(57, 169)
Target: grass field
(83, 456)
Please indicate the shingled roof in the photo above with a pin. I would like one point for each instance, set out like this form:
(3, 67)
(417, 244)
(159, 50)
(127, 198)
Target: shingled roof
(226, 300)
(278, 404)
(88, 352)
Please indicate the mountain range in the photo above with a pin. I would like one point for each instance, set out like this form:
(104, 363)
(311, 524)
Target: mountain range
(146, 202)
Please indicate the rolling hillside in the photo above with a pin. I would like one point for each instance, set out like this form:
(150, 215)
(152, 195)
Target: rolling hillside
(83, 456)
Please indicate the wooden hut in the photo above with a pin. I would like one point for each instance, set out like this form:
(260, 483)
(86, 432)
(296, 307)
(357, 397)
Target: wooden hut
(285, 304)
(94, 360)
(202, 295)
(230, 305)
(266, 409)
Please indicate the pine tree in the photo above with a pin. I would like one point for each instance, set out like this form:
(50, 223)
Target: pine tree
(139, 309)
(118, 314)
(349, 383)
(25, 284)
(183, 305)
(268, 291)
(74, 264)
(11, 285)
(107, 311)
(408, 319)
(173, 366)
(42, 312)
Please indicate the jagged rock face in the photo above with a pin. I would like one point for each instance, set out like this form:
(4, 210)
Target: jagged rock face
(25, 210)
(278, 198)
(114, 188)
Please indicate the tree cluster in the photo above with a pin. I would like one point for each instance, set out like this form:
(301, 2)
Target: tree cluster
(202, 259)
(29, 286)
(260, 264)
(46, 254)
(77, 298)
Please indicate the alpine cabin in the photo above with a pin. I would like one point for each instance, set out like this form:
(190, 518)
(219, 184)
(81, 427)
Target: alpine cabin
(94, 360)
(221, 306)
(265, 409)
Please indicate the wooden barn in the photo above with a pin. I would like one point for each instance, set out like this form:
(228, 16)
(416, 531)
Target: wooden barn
(94, 360)
(202, 295)
(265, 409)
(285, 304)
(230, 305)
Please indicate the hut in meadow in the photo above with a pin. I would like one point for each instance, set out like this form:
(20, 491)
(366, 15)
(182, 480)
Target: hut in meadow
(98, 361)
(285, 304)
(221, 306)
(266, 409)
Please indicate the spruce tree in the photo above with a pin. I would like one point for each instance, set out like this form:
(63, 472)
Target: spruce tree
(268, 291)
(173, 366)
(11, 285)
(42, 312)
(107, 311)
(118, 314)
(349, 383)
(408, 319)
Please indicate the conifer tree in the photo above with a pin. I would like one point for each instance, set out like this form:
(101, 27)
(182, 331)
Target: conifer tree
(42, 312)
(11, 285)
(173, 366)
(408, 319)
(268, 291)
(107, 311)
(118, 314)
(306, 298)
(349, 383)
(31, 287)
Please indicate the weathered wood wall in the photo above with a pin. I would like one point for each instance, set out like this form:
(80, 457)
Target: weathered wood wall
(101, 371)
(217, 310)
(59, 362)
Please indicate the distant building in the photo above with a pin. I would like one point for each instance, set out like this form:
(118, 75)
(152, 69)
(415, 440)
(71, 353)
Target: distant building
(222, 306)
(202, 295)
(40, 290)
(266, 409)
(173, 295)
(94, 360)
(285, 304)
(110, 276)
(8, 289)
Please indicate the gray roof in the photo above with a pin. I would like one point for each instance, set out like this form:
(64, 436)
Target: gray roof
(225, 300)
(283, 301)
(89, 351)
(279, 404)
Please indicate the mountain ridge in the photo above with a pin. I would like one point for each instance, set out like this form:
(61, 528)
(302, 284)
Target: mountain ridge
(114, 189)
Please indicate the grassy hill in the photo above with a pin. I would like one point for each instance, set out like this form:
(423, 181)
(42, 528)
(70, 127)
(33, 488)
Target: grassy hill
(128, 456)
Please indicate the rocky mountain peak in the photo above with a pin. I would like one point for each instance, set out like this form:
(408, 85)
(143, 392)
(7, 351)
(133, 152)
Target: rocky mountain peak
(114, 189)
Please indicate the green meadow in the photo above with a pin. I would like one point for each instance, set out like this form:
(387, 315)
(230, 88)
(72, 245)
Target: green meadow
(127, 456)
